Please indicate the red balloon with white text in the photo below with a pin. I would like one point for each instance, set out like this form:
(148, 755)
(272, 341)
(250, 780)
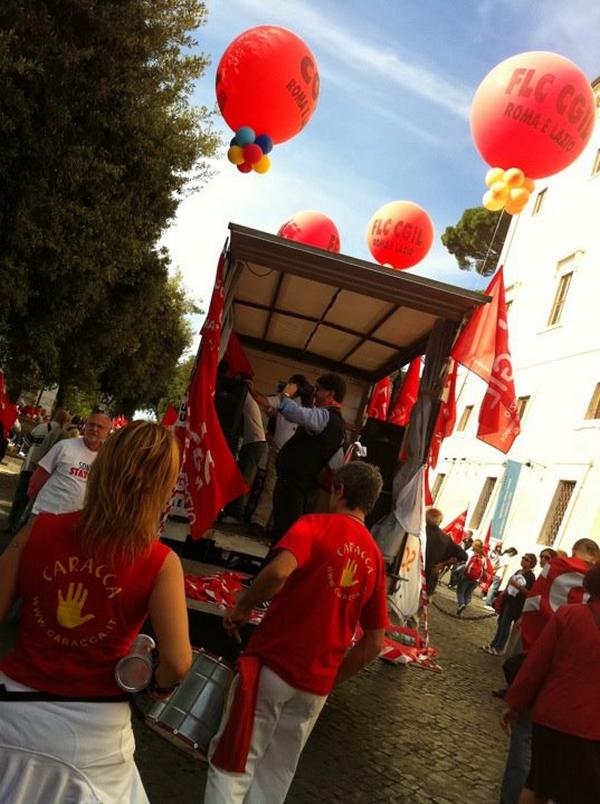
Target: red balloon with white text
(534, 111)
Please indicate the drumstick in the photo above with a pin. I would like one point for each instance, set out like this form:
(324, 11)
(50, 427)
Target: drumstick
(236, 636)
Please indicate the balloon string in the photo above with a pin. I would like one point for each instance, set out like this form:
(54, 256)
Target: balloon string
(491, 243)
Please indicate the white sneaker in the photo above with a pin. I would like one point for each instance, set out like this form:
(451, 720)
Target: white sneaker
(489, 608)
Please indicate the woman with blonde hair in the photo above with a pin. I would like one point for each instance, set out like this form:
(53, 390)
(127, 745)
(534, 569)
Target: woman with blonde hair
(87, 581)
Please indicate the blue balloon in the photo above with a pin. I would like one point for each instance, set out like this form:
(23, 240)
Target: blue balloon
(265, 142)
(244, 136)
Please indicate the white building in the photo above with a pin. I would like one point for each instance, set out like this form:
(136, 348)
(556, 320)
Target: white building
(551, 262)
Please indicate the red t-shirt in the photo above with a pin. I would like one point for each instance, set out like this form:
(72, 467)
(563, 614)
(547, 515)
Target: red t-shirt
(339, 582)
(80, 613)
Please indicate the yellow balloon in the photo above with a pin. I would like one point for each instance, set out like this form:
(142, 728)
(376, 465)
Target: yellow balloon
(514, 177)
(528, 185)
(517, 197)
(263, 165)
(489, 202)
(235, 155)
(499, 191)
(493, 175)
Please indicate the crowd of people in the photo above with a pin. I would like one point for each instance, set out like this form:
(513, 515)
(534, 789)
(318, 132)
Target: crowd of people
(87, 568)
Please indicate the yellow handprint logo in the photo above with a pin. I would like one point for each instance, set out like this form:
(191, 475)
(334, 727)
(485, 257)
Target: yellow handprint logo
(69, 608)
(348, 573)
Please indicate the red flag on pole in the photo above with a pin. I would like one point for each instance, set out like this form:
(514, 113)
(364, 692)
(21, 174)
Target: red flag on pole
(483, 348)
(209, 475)
(169, 417)
(236, 358)
(408, 394)
(446, 418)
(456, 528)
(380, 400)
(486, 541)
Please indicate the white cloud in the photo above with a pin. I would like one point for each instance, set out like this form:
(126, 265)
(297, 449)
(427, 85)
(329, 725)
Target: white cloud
(360, 55)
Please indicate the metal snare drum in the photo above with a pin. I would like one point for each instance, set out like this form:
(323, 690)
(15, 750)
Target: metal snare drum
(191, 717)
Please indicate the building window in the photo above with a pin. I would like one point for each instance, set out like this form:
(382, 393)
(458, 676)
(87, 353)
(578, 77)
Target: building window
(593, 411)
(437, 485)
(559, 300)
(482, 502)
(539, 201)
(596, 165)
(522, 403)
(556, 512)
(466, 414)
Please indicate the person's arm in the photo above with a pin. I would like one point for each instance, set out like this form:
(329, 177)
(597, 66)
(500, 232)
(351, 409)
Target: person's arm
(262, 400)
(518, 581)
(38, 479)
(10, 561)
(168, 615)
(360, 655)
(313, 420)
(269, 581)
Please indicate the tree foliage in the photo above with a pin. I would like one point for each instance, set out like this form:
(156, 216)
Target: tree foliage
(477, 239)
(99, 140)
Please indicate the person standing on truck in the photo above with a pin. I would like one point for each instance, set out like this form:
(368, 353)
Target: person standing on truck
(319, 435)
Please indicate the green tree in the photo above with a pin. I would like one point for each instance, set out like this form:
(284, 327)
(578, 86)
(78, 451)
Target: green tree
(99, 141)
(477, 239)
(177, 387)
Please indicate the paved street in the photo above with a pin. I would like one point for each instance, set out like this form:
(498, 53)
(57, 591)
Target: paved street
(399, 735)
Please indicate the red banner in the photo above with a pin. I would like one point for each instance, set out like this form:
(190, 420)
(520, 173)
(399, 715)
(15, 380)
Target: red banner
(446, 418)
(209, 476)
(456, 528)
(380, 400)
(236, 359)
(561, 582)
(408, 394)
(483, 348)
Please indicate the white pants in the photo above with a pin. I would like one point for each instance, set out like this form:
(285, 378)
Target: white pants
(264, 506)
(283, 721)
(86, 745)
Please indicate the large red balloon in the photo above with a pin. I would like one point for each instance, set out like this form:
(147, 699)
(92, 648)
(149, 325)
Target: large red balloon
(534, 111)
(312, 228)
(268, 79)
(400, 234)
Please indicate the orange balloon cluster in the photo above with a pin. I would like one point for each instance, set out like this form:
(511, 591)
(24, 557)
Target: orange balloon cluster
(508, 190)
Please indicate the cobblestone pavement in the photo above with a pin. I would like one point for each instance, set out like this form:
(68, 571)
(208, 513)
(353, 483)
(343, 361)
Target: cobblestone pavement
(392, 734)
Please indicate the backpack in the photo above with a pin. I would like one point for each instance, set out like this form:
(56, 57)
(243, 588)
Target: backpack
(474, 568)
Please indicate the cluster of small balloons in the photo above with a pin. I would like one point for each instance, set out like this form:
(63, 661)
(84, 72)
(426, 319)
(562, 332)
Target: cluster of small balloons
(509, 190)
(249, 152)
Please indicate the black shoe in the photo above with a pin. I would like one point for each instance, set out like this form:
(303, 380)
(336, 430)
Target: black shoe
(500, 693)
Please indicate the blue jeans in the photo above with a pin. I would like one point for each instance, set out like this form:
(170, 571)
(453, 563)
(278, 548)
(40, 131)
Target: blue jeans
(518, 760)
(505, 621)
(493, 590)
(464, 591)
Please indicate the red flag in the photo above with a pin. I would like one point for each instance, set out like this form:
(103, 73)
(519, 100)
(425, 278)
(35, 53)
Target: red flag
(8, 411)
(560, 582)
(380, 400)
(209, 475)
(486, 541)
(236, 358)
(169, 417)
(408, 394)
(456, 528)
(446, 418)
(428, 494)
(483, 348)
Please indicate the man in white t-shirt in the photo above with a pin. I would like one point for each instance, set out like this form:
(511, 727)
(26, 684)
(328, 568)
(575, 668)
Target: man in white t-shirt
(500, 568)
(58, 484)
(42, 438)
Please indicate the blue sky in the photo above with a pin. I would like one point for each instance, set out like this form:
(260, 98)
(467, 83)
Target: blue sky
(397, 80)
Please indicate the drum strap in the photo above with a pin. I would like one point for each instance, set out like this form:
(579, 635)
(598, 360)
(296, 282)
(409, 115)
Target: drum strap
(6, 695)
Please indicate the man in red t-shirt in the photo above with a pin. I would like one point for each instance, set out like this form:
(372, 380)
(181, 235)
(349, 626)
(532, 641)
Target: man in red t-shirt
(326, 576)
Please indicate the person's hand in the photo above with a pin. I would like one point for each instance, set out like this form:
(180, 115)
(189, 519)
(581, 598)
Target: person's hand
(235, 619)
(508, 717)
(291, 389)
(437, 567)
